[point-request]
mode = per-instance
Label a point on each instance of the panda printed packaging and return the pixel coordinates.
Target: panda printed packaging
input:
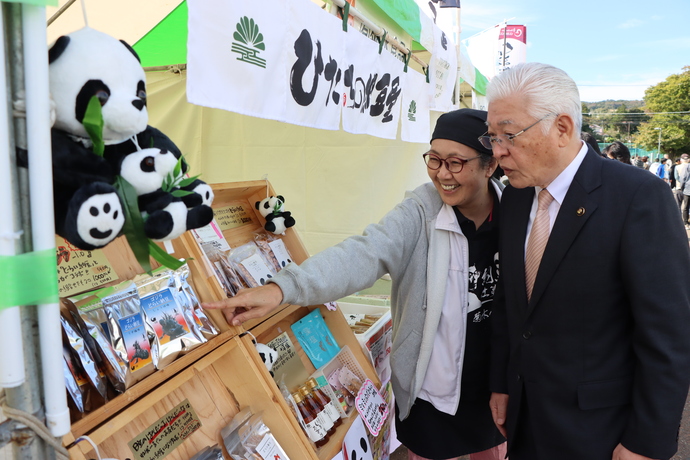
(274, 250)
(128, 332)
(168, 313)
(251, 264)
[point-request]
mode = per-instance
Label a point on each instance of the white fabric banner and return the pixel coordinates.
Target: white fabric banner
(372, 87)
(513, 46)
(315, 58)
(479, 101)
(291, 62)
(415, 121)
(236, 57)
(481, 48)
(443, 70)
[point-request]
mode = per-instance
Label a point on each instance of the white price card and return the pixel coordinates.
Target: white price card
(211, 234)
(281, 252)
(257, 268)
(270, 449)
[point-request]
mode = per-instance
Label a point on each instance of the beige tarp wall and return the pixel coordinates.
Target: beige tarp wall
(334, 183)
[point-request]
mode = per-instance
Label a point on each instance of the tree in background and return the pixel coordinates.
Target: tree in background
(671, 95)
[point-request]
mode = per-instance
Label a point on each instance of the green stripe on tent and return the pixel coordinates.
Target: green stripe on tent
(480, 82)
(405, 13)
(165, 44)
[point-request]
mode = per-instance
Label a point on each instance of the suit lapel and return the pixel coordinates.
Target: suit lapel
(578, 206)
(517, 213)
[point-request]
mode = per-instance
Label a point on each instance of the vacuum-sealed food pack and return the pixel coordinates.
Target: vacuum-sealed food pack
(226, 275)
(90, 317)
(169, 314)
(72, 378)
(252, 265)
(274, 249)
(78, 345)
(204, 326)
(128, 332)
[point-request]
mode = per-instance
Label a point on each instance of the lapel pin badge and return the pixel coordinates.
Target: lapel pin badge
(580, 212)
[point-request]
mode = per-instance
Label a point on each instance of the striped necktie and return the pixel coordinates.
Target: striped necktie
(537, 240)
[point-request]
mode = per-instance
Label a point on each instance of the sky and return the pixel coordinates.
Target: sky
(613, 49)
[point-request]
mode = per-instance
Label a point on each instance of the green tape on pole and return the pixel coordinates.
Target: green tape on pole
(34, 2)
(28, 279)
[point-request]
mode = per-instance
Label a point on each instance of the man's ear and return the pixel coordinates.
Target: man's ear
(565, 127)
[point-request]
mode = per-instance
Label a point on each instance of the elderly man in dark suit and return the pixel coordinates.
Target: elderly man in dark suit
(590, 361)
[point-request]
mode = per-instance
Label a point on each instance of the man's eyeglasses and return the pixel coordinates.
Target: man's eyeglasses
(489, 141)
(453, 164)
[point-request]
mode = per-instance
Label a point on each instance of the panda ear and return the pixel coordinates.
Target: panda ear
(131, 50)
(58, 48)
(280, 197)
(257, 204)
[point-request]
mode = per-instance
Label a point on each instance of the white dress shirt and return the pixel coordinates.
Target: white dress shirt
(558, 188)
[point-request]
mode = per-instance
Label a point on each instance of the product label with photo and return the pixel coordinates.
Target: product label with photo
(165, 315)
(136, 342)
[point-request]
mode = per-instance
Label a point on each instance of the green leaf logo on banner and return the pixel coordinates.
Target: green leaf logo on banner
(412, 111)
(250, 42)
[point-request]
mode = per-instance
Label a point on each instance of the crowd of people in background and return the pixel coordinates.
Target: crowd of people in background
(674, 172)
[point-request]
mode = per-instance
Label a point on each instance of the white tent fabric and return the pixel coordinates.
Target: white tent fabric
(334, 183)
(127, 20)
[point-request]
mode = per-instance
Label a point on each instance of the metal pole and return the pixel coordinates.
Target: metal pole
(27, 397)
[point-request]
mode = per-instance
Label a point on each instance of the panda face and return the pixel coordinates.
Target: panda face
(100, 219)
(91, 63)
(146, 169)
(267, 205)
(206, 193)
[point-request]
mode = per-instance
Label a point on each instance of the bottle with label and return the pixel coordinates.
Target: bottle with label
(315, 431)
(318, 408)
(326, 402)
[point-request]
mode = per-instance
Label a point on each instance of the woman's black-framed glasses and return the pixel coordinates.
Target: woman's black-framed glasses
(453, 164)
(489, 141)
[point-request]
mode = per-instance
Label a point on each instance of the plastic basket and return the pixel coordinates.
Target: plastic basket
(343, 358)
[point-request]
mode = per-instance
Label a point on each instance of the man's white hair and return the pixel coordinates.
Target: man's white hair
(547, 89)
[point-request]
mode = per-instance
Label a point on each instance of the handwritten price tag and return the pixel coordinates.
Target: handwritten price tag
(372, 407)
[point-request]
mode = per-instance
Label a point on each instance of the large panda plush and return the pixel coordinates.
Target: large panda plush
(88, 210)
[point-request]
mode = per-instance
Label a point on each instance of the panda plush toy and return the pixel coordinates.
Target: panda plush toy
(277, 220)
(89, 211)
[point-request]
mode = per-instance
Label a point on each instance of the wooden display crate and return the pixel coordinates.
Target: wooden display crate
(125, 265)
(223, 376)
(217, 386)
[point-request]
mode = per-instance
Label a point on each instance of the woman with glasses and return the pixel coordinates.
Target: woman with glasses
(440, 247)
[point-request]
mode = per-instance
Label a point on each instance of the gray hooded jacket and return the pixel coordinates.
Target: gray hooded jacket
(406, 244)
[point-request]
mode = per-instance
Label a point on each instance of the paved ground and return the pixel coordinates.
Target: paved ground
(683, 440)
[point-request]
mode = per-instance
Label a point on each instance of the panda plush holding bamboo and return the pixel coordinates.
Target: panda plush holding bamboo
(93, 73)
(277, 219)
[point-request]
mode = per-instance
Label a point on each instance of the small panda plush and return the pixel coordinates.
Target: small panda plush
(268, 355)
(277, 220)
(165, 215)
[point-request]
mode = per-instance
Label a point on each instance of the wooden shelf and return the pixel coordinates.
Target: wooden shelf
(224, 375)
